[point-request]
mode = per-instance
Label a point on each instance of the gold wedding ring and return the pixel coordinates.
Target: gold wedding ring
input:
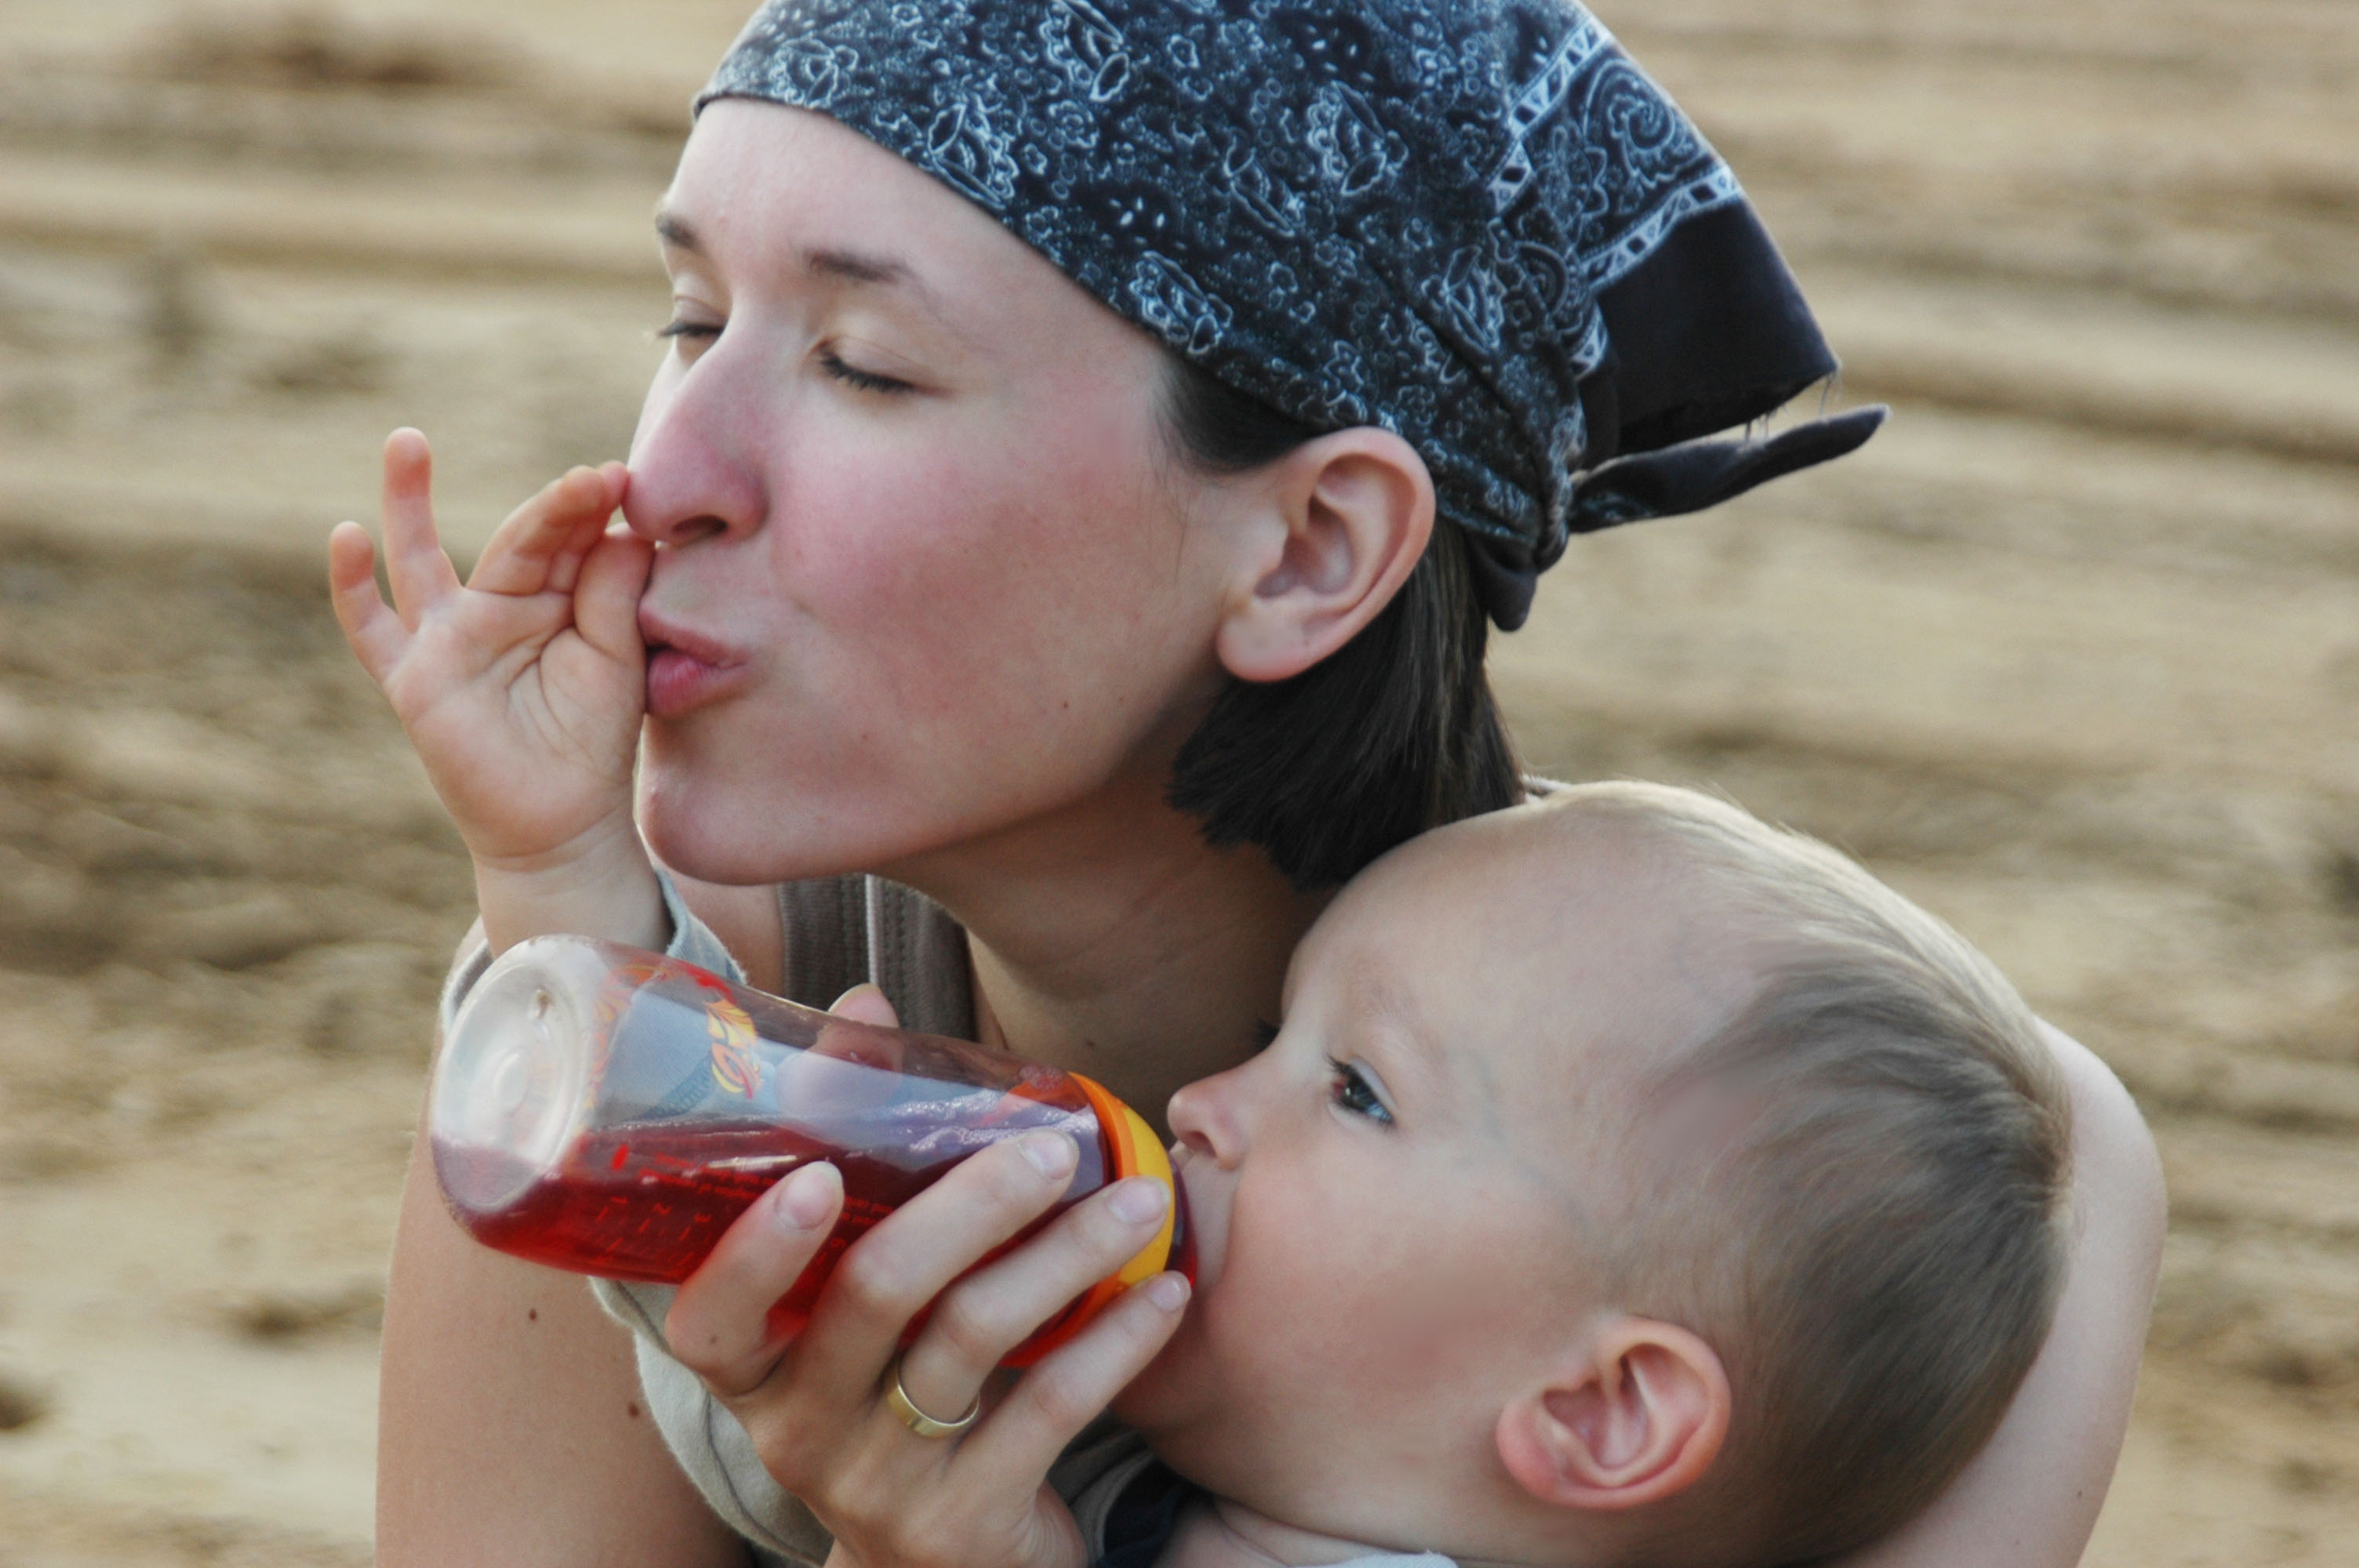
(917, 1420)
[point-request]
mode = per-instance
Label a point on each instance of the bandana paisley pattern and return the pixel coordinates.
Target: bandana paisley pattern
(1408, 213)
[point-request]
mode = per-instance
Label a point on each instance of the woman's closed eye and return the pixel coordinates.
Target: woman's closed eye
(685, 331)
(1352, 1092)
(864, 380)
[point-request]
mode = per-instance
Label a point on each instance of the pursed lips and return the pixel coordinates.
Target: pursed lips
(685, 668)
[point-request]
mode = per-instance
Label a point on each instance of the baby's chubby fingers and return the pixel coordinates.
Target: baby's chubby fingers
(415, 563)
(541, 546)
(719, 1323)
(376, 633)
(613, 575)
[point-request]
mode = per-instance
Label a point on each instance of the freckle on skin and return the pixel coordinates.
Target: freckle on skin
(532, 1314)
(634, 1407)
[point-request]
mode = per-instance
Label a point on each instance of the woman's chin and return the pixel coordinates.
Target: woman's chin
(723, 833)
(693, 841)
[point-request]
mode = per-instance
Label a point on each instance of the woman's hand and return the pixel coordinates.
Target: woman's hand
(816, 1407)
(522, 690)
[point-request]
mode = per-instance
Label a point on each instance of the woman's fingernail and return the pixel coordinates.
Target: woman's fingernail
(1169, 1292)
(808, 1198)
(1051, 1154)
(1139, 1199)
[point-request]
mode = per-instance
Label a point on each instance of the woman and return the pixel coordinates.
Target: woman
(1037, 511)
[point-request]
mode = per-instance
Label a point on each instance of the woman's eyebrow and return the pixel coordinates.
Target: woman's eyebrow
(674, 231)
(856, 266)
(864, 267)
(870, 269)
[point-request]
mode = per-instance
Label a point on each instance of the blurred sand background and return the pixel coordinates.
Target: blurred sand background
(2070, 654)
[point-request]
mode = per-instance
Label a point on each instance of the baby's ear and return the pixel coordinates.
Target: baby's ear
(1636, 1412)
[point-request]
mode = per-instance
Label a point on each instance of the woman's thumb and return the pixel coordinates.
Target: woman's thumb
(866, 1003)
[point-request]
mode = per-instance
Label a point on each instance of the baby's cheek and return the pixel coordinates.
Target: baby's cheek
(1304, 1307)
(1179, 1385)
(1385, 1300)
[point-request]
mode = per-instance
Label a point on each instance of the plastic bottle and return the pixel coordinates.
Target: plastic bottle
(610, 1110)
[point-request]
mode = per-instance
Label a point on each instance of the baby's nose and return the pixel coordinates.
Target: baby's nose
(1203, 1118)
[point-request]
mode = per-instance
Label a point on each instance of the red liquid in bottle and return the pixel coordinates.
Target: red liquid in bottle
(648, 1202)
(613, 1111)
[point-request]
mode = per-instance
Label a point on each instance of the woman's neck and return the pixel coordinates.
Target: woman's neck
(1111, 940)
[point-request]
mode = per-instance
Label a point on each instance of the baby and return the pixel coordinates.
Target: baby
(1629, 1182)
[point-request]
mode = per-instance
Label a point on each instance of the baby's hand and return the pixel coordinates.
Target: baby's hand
(522, 690)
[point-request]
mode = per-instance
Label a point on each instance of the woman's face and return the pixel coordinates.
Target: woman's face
(925, 572)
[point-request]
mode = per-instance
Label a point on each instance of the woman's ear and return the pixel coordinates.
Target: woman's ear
(1348, 515)
(1636, 1413)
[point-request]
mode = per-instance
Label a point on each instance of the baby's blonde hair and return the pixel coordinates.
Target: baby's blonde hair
(1854, 1189)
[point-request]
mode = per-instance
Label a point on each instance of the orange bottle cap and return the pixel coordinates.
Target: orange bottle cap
(1133, 1150)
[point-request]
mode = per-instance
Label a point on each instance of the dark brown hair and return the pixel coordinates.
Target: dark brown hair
(1394, 733)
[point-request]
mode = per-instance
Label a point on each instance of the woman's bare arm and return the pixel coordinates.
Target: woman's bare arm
(2030, 1499)
(510, 1425)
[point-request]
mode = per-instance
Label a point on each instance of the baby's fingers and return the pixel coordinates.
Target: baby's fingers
(375, 631)
(414, 562)
(606, 596)
(540, 547)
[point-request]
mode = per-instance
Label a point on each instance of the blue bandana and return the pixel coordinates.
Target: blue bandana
(1476, 223)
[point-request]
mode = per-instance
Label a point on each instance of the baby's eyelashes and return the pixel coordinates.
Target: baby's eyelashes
(1354, 1089)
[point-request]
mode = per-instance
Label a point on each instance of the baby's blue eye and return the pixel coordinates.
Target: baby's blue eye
(1350, 1088)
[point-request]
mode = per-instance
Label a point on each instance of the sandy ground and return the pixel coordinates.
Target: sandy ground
(2072, 653)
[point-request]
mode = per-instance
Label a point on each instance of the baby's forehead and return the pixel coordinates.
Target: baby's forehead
(1531, 939)
(1544, 888)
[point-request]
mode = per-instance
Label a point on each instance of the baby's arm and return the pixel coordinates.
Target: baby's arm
(2030, 1499)
(522, 690)
(511, 1427)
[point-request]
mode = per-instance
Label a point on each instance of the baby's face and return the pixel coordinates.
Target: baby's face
(1388, 1200)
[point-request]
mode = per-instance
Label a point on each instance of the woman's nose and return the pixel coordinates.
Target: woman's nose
(696, 461)
(1206, 1117)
